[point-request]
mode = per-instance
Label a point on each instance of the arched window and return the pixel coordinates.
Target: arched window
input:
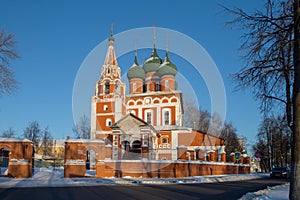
(108, 122)
(164, 140)
(105, 107)
(107, 87)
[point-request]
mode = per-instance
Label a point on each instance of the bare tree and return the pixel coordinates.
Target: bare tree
(8, 83)
(195, 117)
(276, 136)
(9, 133)
(82, 128)
(204, 121)
(191, 114)
(229, 134)
(295, 180)
(267, 47)
(46, 142)
(33, 132)
(272, 52)
(260, 148)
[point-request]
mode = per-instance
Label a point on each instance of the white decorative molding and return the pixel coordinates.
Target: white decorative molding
(15, 161)
(75, 162)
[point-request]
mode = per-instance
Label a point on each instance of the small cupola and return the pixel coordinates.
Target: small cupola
(135, 71)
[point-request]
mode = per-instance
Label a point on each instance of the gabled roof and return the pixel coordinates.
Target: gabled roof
(131, 124)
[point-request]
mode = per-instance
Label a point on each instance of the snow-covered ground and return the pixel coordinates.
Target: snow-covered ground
(279, 192)
(49, 177)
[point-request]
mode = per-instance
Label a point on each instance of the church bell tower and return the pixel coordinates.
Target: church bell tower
(108, 101)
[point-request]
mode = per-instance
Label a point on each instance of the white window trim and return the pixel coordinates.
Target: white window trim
(163, 116)
(145, 115)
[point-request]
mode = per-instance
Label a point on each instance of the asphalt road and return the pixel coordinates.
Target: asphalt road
(225, 190)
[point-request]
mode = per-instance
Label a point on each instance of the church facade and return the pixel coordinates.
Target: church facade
(147, 122)
(141, 134)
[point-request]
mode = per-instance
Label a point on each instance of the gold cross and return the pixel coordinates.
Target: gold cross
(167, 41)
(135, 40)
(154, 34)
(111, 28)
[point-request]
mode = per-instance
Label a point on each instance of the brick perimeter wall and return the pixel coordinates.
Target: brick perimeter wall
(165, 169)
(20, 170)
(71, 171)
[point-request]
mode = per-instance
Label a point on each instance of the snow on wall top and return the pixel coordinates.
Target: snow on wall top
(14, 140)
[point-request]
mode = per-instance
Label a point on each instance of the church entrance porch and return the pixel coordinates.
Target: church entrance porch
(131, 151)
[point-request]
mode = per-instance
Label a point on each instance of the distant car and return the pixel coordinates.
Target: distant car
(280, 172)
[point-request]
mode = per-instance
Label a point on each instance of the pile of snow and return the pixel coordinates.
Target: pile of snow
(202, 179)
(3, 170)
(279, 192)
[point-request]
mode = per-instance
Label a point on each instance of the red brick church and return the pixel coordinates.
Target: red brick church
(141, 134)
(146, 123)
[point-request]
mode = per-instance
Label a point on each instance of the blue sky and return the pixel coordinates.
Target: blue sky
(54, 37)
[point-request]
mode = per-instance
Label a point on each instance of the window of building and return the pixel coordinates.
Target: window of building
(148, 87)
(167, 84)
(105, 107)
(166, 117)
(108, 122)
(157, 87)
(164, 140)
(134, 87)
(107, 87)
(148, 116)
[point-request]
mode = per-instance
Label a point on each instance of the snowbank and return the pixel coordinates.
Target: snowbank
(279, 192)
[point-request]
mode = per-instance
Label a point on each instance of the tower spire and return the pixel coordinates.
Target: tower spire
(111, 58)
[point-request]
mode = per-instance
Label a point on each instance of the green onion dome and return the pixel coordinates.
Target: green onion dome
(167, 67)
(152, 63)
(135, 71)
(111, 38)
